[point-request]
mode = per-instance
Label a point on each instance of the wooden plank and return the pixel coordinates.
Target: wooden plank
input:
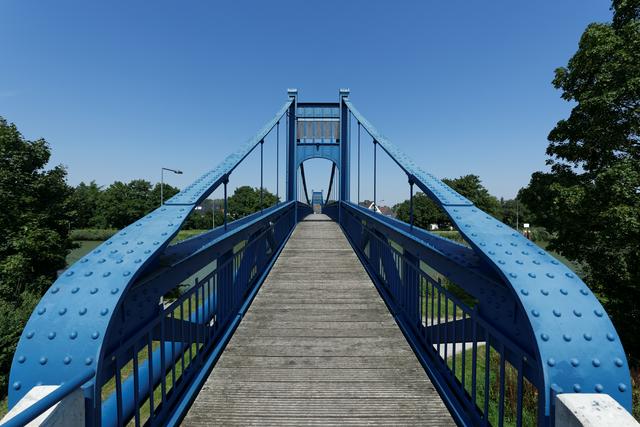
(318, 347)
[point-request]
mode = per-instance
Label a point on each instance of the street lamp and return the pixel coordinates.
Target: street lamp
(177, 172)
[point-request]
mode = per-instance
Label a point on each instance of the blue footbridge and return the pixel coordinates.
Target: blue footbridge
(345, 317)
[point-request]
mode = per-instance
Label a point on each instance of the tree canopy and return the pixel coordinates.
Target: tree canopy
(590, 199)
(427, 212)
(35, 219)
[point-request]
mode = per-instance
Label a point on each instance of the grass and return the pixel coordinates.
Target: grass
(87, 243)
(530, 394)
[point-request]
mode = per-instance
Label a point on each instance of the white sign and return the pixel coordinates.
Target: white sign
(525, 225)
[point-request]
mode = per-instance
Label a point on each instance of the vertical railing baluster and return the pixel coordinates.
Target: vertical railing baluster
(519, 392)
(474, 354)
(487, 375)
(359, 162)
(136, 385)
(454, 340)
(278, 161)
(150, 374)
(464, 349)
(119, 421)
(502, 380)
(163, 384)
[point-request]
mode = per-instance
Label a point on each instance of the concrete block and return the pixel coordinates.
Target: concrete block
(69, 412)
(597, 409)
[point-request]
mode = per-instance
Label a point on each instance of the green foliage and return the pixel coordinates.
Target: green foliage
(427, 212)
(93, 234)
(35, 219)
(470, 186)
(246, 200)
(590, 200)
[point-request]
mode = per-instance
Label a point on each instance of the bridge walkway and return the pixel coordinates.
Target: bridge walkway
(318, 346)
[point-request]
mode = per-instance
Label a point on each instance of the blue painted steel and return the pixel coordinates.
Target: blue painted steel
(79, 320)
(41, 406)
(345, 160)
(574, 342)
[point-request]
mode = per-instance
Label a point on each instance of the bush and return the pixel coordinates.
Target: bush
(97, 234)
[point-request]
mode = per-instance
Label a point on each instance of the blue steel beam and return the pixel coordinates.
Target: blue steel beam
(576, 344)
(71, 325)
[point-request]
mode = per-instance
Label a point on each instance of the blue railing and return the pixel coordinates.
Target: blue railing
(542, 326)
(150, 317)
(484, 376)
(47, 402)
(169, 351)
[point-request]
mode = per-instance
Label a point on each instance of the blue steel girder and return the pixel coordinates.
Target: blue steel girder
(576, 344)
(72, 326)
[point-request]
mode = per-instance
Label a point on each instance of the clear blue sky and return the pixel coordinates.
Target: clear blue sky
(120, 89)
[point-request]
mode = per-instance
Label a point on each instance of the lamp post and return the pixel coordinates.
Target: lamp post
(177, 172)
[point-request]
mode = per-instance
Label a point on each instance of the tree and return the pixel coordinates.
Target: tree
(35, 219)
(590, 199)
(425, 211)
(514, 212)
(84, 200)
(470, 186)
(121, 204)
(246, 200)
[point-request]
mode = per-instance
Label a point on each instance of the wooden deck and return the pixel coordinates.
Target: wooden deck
(318, 347)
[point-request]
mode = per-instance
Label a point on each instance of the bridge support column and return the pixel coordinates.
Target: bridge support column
(292, 173)
(344, 147)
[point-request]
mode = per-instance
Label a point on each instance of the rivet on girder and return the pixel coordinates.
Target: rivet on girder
(544, 292)
(577, 388)
(575, 362)
(618, 362)
(106, 274)
(93, 291)
(55, 290)
(73, 335)
(577, 313)
(551, 276)
(88, 361)
(126, 273)
(610, 336)
(104, 311)
(599, 388)
(544, 337)
(587, 336)
(66, 360)
(598, 312)
(43, 360)
(622, 387)
(75, 290)
(595, 362)
(551, 362)
(535, 313)
(69, 273)
(30, 335)
(82, 311)
(51, 335)
(532, 275)
(41, 310)
(566, 337)
(17, 385)
(88, 273)
(584, 292)
(95, 335)
(563, 291)
(557, 312)
(114, 291)
(101, 261)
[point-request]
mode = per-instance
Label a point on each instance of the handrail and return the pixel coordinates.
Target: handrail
(41, 406)
(559, 317)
